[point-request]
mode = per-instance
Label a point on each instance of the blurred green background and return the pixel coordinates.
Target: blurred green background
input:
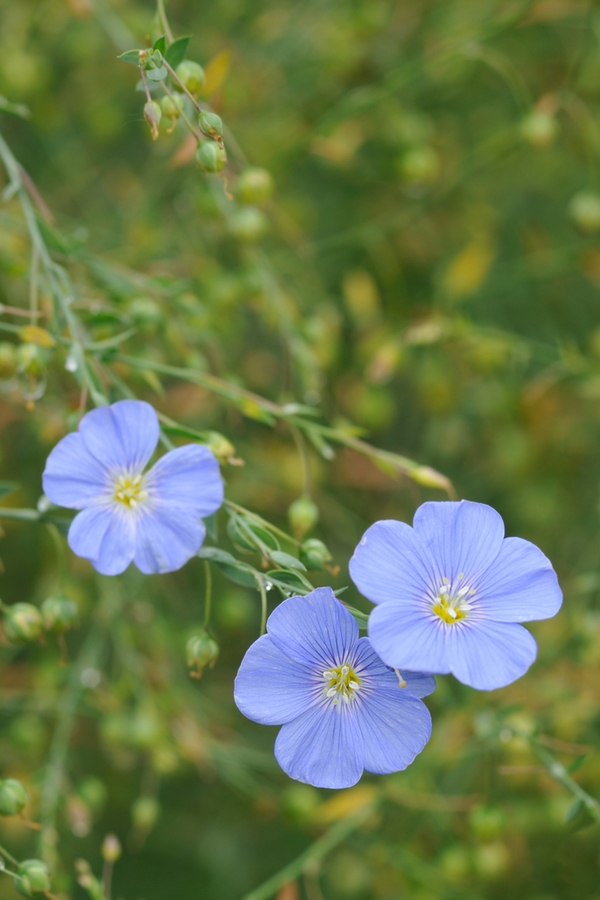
(428, 270)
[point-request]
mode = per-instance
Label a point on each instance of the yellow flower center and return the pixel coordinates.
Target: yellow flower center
(130, 490)
(451, 601)
(341, 682)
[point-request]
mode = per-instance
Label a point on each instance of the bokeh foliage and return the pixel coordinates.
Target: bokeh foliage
(430, 273)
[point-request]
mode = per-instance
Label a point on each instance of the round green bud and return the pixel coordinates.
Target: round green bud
(248, 224)
(201, 651)
(31, 359)
(59, 613)
(32, 878)
(8, 360)
(420, 165)
(210, 124)
(153, 115)
(111, 848)
(172, 106)
(254, 187)
(584, 210)
(191, 74)
(13, 797)
(314, 554)
(539, 128)
(22, 622)
(210, 156)
(303, 515)
(144, 813)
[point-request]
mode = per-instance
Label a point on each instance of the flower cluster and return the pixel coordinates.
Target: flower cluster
(449, 594)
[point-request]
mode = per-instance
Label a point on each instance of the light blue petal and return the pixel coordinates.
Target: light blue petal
(463, 537)
(420, 684)
(73, 477)
(188, 477)
(490, 655)
(105, 536)
(521, 586)
(405, 639)
(123, 436)
(316, 630)
(166, 538)
(395, 726)
(270, 688)
(322, 747)
(392, 563)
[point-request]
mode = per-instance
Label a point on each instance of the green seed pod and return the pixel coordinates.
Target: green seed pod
(31, 359)
(314, 554)
(210, 124)
(59, 613)
(210, 156)
(303, 515)
(172, 106)
(22, 623)
(153, 115)
(191, 74)
(13, 797)
(584, 210)
(248, 224)
(32, 878)
(201, 651)
(539, 128)
(254, 187)
(8, 361)
(144, 813)
(220, 446)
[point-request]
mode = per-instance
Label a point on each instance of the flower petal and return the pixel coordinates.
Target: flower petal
(409, 639)
(463, 537)
(490, 655)
(104, 536)
(166, 537)
(322, 747)
(395, 726)
(73, 477)
(392, 563)
(521, 586)
(316, 630)
(420, 684)
(123, 436)
(188, 477)
(270, 688)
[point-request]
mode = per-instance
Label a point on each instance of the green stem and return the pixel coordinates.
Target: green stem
(558, 772)
(60, 553)
(207, 593)
(251, 515)
(162, 15)
(8, 856)
(260, 583)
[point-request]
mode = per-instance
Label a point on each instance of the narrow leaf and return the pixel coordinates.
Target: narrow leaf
(175, 53)
(131, 56)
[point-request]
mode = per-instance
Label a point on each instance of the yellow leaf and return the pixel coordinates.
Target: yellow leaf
(216, 72)
(346, 803)
(33, 334)
(468, 270)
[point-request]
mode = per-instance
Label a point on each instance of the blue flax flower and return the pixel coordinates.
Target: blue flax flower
(151, 518)
(341, 709)
(450, 591)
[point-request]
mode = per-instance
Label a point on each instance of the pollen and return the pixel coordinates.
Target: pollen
(130, 490)
(341, 683)
(451, 600)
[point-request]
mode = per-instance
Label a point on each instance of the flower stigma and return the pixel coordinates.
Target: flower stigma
(130, 490)
(341, 682)
(451, 601)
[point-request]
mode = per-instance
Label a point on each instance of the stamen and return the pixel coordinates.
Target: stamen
(342, 682)
(130, 491)
(449, 600)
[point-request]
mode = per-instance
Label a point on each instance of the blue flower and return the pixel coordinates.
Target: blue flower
(341, 709)
(151, 518)
(450, 592)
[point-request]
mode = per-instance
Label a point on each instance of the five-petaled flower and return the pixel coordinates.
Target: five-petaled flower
(152, 518)
(341, 708)
(450, 591)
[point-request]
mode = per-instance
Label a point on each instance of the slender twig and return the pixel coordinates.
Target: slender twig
(164, 21)
(207, 592)
(260, 583)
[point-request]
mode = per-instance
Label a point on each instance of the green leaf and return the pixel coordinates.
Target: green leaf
(286, 559)
(291, 580)
(131, 56)
(573, 811)
(160, 44)
(175, 53)
(215, 554)
(7, 487)
(263, 535)
(362, 619)
(156, 74)
(574, 765)
(238, 537)
(17, 109)
(239, 574)
(211, 526)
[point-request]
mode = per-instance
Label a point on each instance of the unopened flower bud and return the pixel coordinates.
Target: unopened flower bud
(13, 797)
(153, 115)
(303, 515)
(584, 210)
(144, 813)
(210, 124)
(254, 187)
(210, 156)
(8, 360)
(172, 106)
(111, 848)
(220, 446)
(248, 224)
(314, 554)
(59, 613)
(22, 622)
(32, 878)
(539, 128)
(191, 74)
(201, 651)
